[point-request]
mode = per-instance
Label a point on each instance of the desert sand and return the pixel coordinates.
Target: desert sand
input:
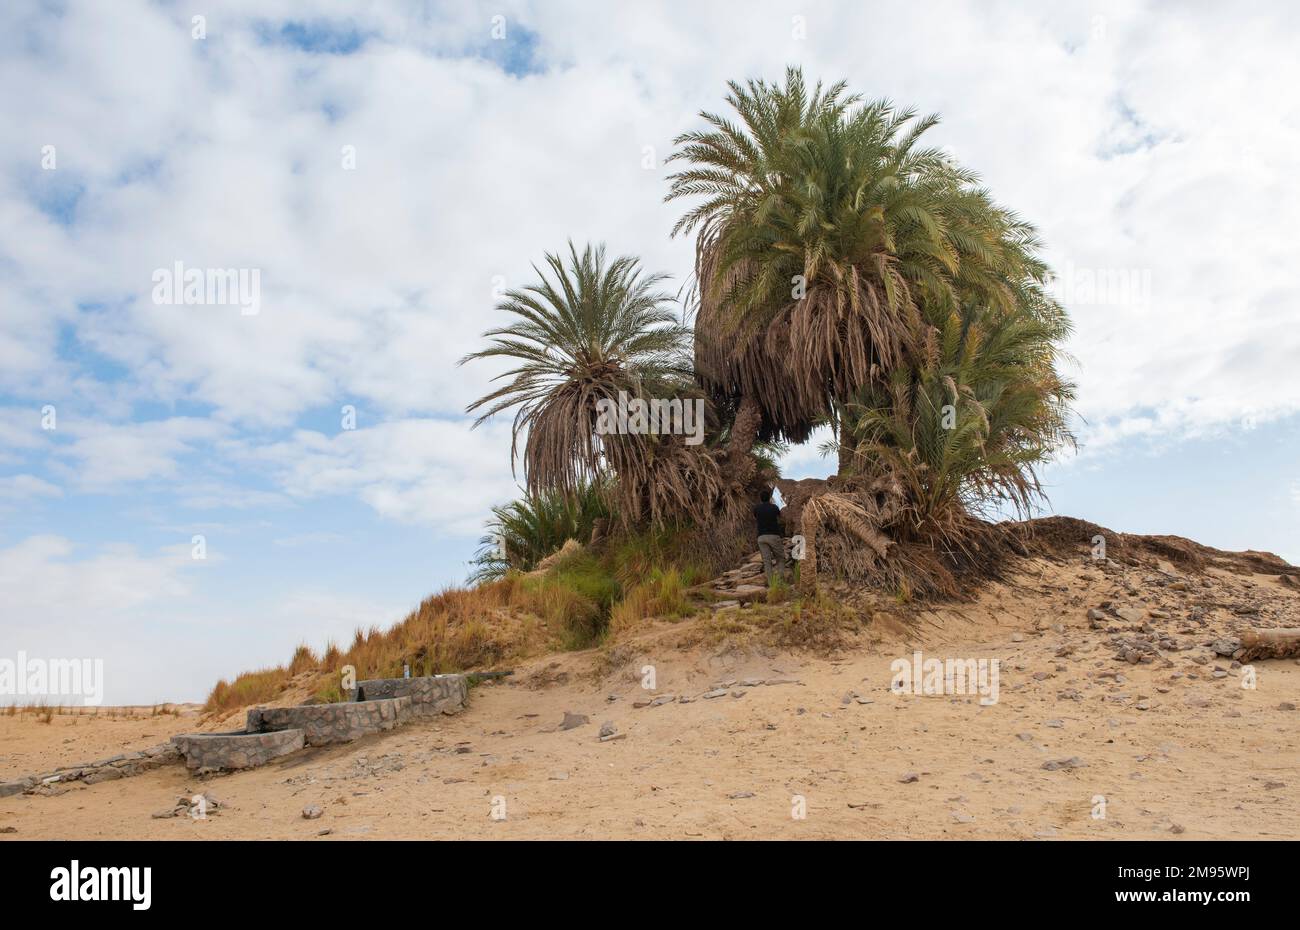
(1170, 748)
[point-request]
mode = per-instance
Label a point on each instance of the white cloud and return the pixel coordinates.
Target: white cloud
(102, 455)
(435, 472)
(45, 580)
(26, 487)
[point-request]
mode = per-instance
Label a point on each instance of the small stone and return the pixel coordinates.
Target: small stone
(1074, 762)
(1286, 705)
(715, 693)
(572, 720)
(741, 795)
(909, 778)
(607, 728)
(1017, 637)
(312, 812)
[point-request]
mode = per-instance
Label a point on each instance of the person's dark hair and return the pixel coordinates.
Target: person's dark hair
(766, 495)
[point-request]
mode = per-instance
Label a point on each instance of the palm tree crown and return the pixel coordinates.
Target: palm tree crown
(587, 331)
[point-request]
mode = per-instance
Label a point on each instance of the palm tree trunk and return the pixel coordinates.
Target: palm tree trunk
(744, 433)
(845, 444)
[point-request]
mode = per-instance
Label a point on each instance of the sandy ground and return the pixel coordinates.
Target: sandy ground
(1206, 759)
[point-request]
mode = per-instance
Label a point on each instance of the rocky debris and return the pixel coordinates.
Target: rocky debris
(312, 812)
(572, 720)
(740, 795)
(663, 699)
(715, 693)
(608, 729)
(1131, 614)
(193, 806)
(909, 778)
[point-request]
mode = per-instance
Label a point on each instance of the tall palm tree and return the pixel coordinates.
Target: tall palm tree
(825, 227)
(583, 334)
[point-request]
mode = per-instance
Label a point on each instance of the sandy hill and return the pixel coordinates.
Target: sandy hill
(1120, 713)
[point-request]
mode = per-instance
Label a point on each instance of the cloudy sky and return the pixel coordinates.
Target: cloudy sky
(384, 168)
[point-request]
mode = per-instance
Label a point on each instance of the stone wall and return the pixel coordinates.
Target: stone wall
(227, 751)
(120, 766)
(323, 724)
(430, 694)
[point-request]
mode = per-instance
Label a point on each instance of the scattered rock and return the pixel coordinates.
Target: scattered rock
(312, 812)
(1226, 646)
(1074, 762)
(909, 778)
(572, 720)
(607, 728)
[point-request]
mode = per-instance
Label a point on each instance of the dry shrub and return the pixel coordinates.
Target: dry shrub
(249, 688)
(303, 660)
(663, 594)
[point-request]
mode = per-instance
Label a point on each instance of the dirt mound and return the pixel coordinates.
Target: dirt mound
(1069, 537)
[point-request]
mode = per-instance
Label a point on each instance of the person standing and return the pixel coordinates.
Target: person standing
(771, 545)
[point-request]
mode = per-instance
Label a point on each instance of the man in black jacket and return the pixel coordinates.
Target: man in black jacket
(771, 545)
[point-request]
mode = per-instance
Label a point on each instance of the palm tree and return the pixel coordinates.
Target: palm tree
(589, 331)
(966, 423)
(825, 229)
